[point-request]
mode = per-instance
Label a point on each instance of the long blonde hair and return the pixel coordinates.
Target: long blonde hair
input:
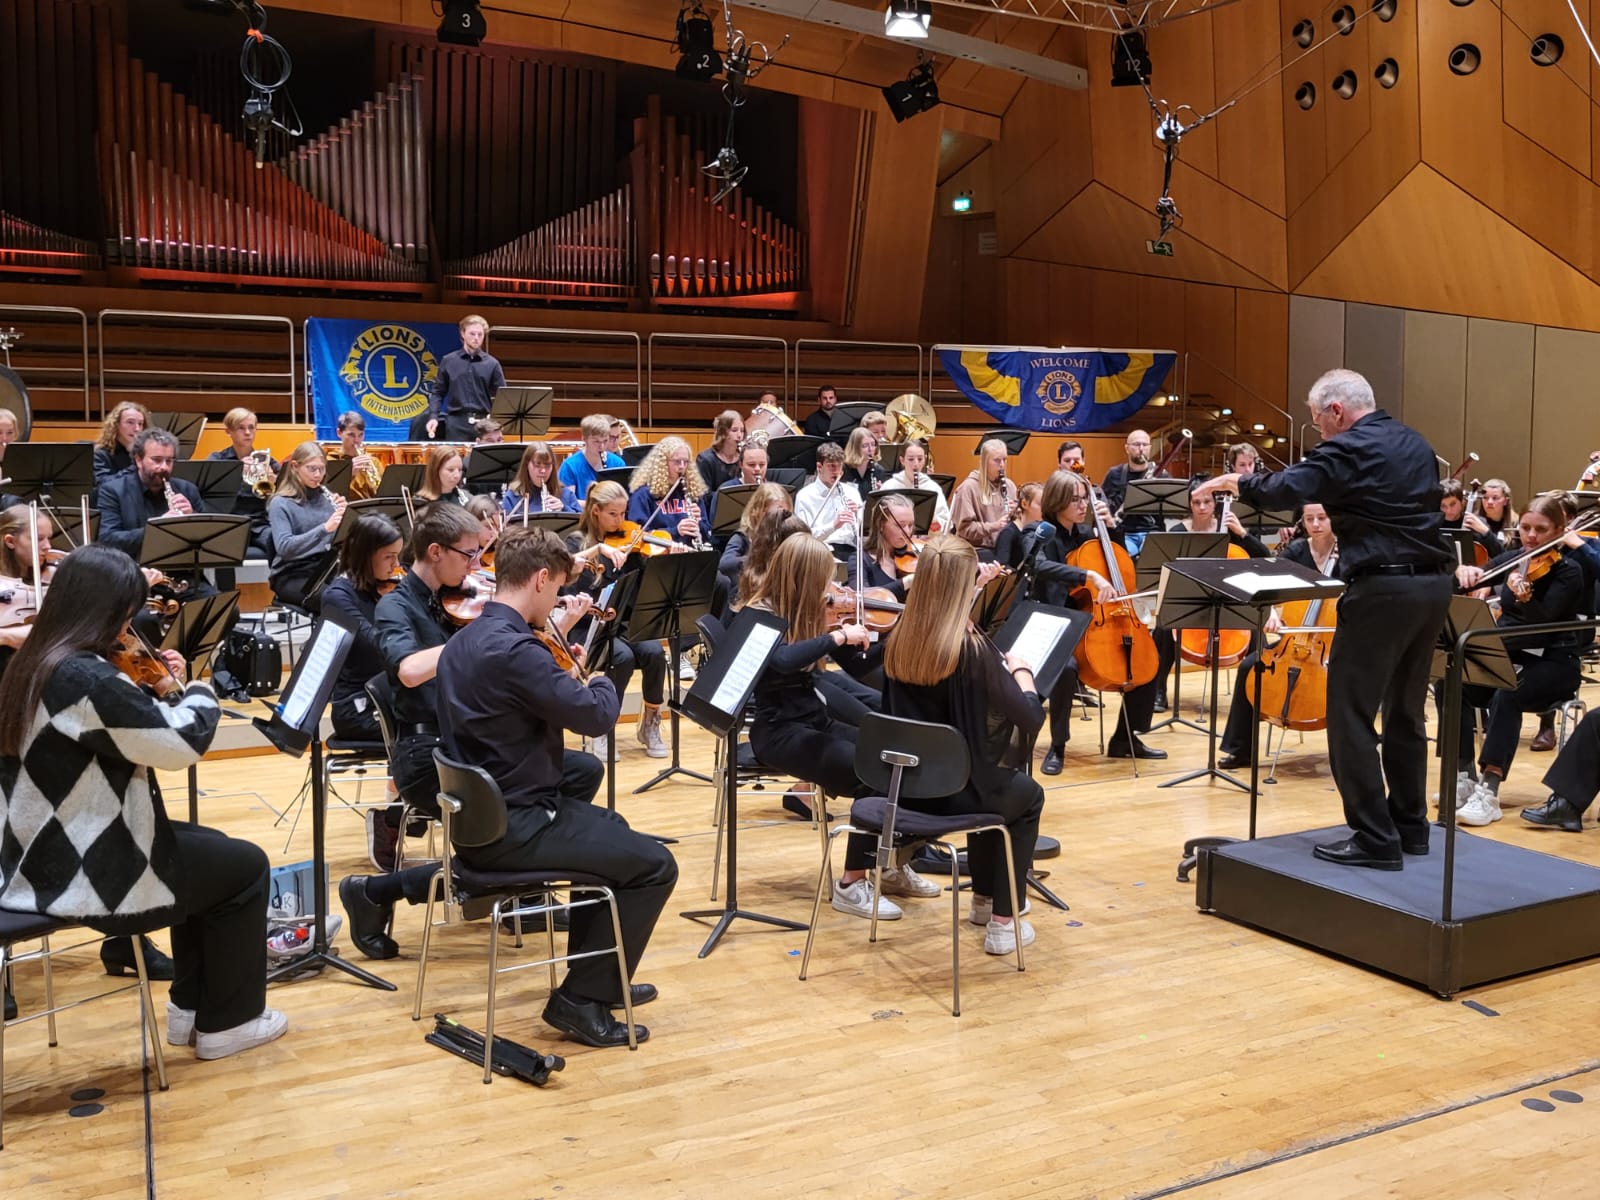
(986, 488)
(601, 493)
(855, 450)
(925, 645)
(889, 510)
(1510, 517)
(107, 440)
(762, 501)
(437, 457)
(795, 585)
(652, 472)
(288, 482)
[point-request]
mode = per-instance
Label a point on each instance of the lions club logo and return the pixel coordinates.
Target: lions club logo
(1059, 391)
(387, 370)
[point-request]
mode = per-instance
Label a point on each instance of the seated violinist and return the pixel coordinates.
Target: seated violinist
(764, 499)
(1545, 588)
(889, 552)
(368, 562)
(1453, 506)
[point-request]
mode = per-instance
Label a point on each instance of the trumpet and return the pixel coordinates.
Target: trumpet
(365, 481)
(259, 476)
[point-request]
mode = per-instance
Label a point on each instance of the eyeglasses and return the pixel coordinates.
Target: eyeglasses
(469, 555)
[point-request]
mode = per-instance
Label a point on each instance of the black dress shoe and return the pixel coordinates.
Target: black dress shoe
(369, 920)
(588, 1021)
(1121, 749)
(1234, 762)
(1052, 762)
(1418, 849)
(1555, 813)
(1086, 699)
(116, 955)
(1161, 703)
(1349, 853)
(639, 993)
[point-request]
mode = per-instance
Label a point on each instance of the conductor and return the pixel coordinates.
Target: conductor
(1378, 482)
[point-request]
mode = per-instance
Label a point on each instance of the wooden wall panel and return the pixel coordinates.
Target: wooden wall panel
(1305, 131)
(1375, 345)
(1316, 343)
(1436, 380)
(830, 136)
(1261, 347)
(1348, 121)
(1210, 324)
(892, 263)
(1043, 158)
(1025, 304)
(1185, 73)
(1565, 418)
(1549, 105)
(1499, 412)
(1250, 141)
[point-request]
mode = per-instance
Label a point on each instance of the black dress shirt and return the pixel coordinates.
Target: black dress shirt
(411, 619)
(126, 507)
(366, 656)
(818, 424)
(1557, 596)
(503, 704)
(713, 470)
(245, 501)
(466, 383)
(1379, 481)
(1053, 578)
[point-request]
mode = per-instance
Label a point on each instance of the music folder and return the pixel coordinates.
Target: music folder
(297, 717)
(1045, 636)
(723, 686)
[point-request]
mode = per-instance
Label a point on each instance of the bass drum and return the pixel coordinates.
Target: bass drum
(14, 396)
(770, 420)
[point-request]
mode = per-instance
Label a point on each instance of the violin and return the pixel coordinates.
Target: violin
(552, 641)
(630, 538)
(1229, 645)
(19, 603)
(464, 604)
(879, 610)
(140, 662)
(166, 594)
(385, 586)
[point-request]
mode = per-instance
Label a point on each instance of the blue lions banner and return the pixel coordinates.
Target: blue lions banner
(383, 369)
(1058, 391)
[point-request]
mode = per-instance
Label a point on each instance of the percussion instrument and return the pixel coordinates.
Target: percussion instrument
(770, 420)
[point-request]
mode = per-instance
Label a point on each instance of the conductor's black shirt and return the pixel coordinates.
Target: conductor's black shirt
(1379, 481)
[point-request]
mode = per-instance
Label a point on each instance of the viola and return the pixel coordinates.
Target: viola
(464, 604)
(166, 594)
(552, 641)
(1228, 645)
(630, 538)
(140, 662)
(1117, 653)
(19, 603)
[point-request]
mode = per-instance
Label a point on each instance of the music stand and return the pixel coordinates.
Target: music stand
(492, 467)
(195, 633)
(622, 476)
(1013, 439)
(58, 473)
(185, 426)
(337, 477)
(632, 456)
(889, 455)
(716, 702)
(923, 505)
(1487, 662)
(993, 603)
(523, 412)
(398, 476)
(191, 544)
(675, 591)
(217, 480)
(296, 723)
(1158, 550)
(793, 451)
(1259, 520)
(393, 507)
(559, 523)
(1585, 499)
(728, 510)
(844, 418)
(1162, 499)
(69, 528)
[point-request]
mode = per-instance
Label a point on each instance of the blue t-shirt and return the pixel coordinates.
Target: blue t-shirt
(577, 474)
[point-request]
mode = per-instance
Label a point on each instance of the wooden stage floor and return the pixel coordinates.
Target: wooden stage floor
(1148, 1049)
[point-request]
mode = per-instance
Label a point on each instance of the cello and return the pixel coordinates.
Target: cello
(1229, 645)
(1117, 653)
(1294, 672)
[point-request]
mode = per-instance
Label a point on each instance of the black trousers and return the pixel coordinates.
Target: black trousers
(1575, 774)
(591, 841)
(847, 698)
(219, 945)
(1239, 732)
(1166, 656)
(649, 659)
(460, 427)
(354, 718)
(1017, 801)
(1381, 655)
(1541, 683)
(822, 751)
(415, 776)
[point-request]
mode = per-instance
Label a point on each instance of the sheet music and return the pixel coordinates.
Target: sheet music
(1039, 638)
(314, 666)
(603, 603)
(745, 667)
(1254, 581)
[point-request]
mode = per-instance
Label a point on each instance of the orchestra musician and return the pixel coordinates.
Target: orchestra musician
(719, 462)
(913, 464)
(861, 467)
(983, 502)
(464, 387)
(259, 477)
(1453, 506)
(10, 430)
(666, 494)
(441, 476)
(130, 499)
(890, 539)
(1573, 779)
(365, 472)
(1378, 481)
(770, 531)
(1114, 488)
(1069, 457)
(828, 505)
(503, 703)
(368, 560)
(578, 471)
(1546, 663)
(489, 432)
(752, 471)
(1318, 549)
(79, 744)
(113, 449)
(1008, 546)
(19, 598)
(597, 562)
(766, 498)
(304, 516)
(938, 668)
(1243, 459)
(820, 423)
(533, 491)
(1066, 504)
(1499, 513)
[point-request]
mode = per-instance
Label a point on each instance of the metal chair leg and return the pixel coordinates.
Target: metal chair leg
(49, 989)
(148, 1009)
(955, 933)
(435, 889)
(5, 968)
(1011, 880)
(488, 1019)
(824, 874)
(622, 967)
(550, 935)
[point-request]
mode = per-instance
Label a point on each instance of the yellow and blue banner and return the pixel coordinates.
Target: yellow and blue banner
(383, 369)
(1058, 391)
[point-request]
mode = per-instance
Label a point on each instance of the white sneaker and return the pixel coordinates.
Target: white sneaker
(856, 899)
(982, 910)
(685, 668)
(268, 1027)
(649, 734)
(903, 881)
(1002, 939)
(180, 1025)
(600, 747)
(1481, 808)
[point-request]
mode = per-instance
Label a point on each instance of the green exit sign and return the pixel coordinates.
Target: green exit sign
(1162, 249)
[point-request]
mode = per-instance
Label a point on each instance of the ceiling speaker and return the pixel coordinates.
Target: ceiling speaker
(1344, 84)
(1344, 20)
(1464, 59)
(1388, 73)
(1304, 33)
(1306, 95)
(1384, 10)
(1547, 49)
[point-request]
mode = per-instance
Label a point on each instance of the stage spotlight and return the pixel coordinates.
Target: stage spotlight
(1547, 49)
(1130, 60)
(908, 18)
(697, 44)
(1464, 59)
(463, 24)
(916, 93)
